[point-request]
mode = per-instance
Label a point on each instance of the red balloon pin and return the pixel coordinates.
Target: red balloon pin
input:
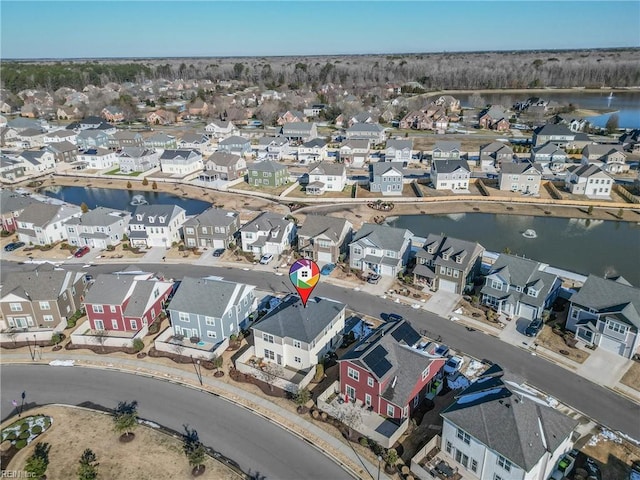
(304, 274)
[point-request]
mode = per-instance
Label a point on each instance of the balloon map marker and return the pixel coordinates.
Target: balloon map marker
(304, 274)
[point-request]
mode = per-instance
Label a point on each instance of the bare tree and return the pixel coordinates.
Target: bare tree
(350, 415)
(270, 373)
(12, 334)
(178, 348)
(100, 337)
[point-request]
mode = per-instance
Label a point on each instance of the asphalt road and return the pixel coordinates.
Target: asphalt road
(261, 448)
(599, 403)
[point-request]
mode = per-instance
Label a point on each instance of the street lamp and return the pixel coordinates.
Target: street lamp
(198, 368)
(379, 460)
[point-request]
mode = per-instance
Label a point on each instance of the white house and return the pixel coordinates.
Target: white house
(315, 150)
(380, 249)
(156, 225)
(220, 129)
(267, 233)
(588, 180)
(181, 163)
(298, 337)
(398, 150)
(98, 158)
(450, 174)
(610, 158)
(98, 228)
(36, 161)
(60, 136)
(326, 177)
(495, 432)
(355, 152)
(43, 223)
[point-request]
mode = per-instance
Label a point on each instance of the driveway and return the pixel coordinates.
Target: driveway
(442, 303)
(513, 333)
(604, 367)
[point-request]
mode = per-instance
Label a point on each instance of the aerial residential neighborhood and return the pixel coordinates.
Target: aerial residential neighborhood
(230, 251)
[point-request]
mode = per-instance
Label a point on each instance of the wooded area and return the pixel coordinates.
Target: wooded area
(482, 70)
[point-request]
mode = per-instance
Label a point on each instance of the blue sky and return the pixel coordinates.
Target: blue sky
(75, 29)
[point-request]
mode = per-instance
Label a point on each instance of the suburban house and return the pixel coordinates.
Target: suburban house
(98, 158)
(386, 177)
(156, 225)
(362, 117)
(387, 372)
(267, 233)
(98, 228)
(550, 156)
(606, 312)
(610, 158)
(450, 174)
(64, 151)
(92, 139)
(494, 432)
(291, 116)
(354, 152)
(398, 150)
(446, 263)
(125, 303)
(373, 132)
(11, 168)
(494, 118)
(42, 299)
(161, 140)
(324, 239)
(495, 154)
(273, 148)
(298, 337)
(267, 174)
(125, 138)
(181, 163)
(523, 177)
(445, 150)
(198, 108)
(417, 120)
(43, 223)
(299, 131)
(326, 177)
(31, 138)
(37, 161)
(519, 287)
(315, 150)
(380, 249)
(138, 159)
(12, 204)
(60, 136)
(194, 141)
(112, 114)
(161, 117)
(213, 228)
(588, 180)
(314, 110)
(220, 129)
(68, 113)
(236, 145)
(223, 166)
(211, 309)
(559, 134)
(450, 103)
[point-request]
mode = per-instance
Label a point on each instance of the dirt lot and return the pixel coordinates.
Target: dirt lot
(150, 455)
(548, 339)
(632, 377)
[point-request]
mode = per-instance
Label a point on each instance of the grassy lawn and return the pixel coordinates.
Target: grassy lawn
(632, 377)
(117, 172)
(300, 193)
(150, 455)
(548, 339)
(253, 188)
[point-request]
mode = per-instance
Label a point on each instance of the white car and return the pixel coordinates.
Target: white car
(266, 258)
(453, 365)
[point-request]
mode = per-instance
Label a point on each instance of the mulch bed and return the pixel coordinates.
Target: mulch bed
(264, 386)
(100, 350)
(155, 353)
(7, 455)
(127, 437)
(12, 345)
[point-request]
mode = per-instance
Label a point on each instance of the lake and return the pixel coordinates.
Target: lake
(582, 246)
(121, 199)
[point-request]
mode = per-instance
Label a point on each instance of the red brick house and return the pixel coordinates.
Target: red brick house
(386, 372)
(112, 114)
(125, 302)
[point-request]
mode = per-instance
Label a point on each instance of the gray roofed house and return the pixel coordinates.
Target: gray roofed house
(380, 249)
(521, 177)
(126, 138)
(64, 151)
(98, 228)
(156, 225)
(326, 177)
(446, 150)
(160, 140)
(11, 206)
(606, 312)
(610, 158)
(450, 174)
(236, 145)
(197, 141)
(38, 160)
(296, 336)
(223, 166)
(92, 139)
(138, 159)
(494, 154)
(43, 223)
(550, 155)
(370, 131)
(181, 162)
(398, 150)
(324, 239)
(273, 148)
(267, 174)
(519, 287)
(588, 180)
(211, 309)
(447, 263)
(213, 228)
(386, 177)
(300, 131)
(504, 431)
(559, 134)
(267, 233)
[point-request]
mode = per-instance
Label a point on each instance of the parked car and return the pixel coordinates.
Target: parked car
(394, 317)
(218, 252)
(81, 252)
(327, 269)
(373, 278)
(534, 328)
(266, 258)
(442, 350)
(10, 247)
(453, 365)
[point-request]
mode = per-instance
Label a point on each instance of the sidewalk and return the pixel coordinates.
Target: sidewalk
(297, 425)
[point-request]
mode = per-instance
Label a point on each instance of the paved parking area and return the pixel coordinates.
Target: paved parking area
(513, 333)
(604, 367)
(442, 303)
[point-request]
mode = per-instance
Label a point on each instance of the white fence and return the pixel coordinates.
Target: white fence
(163, 344)
(420, 456)
(39, 335)
(243, 366)
(84, 335)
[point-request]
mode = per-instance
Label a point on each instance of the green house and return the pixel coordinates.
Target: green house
(267, 174)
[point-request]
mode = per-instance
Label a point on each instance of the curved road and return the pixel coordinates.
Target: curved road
(261, 448)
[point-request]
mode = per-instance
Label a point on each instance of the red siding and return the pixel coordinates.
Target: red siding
(361, 386)
(106, 316)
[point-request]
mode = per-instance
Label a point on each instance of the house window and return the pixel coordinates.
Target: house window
(354, 374)
(370, 381)
(357, 251)
(267, 338)
(616, 327)
(47, 318)
(464, 436)
(211, 334)
(97, 308)
(497, 477)
(575, 313)
(134, 324)
(504, 463)
(533, 293)
(209, 321)
(425, 374)
(367, 399)
(114, 324)
(496, 284)
(189, 230)
(351, 392)
(15, 307)
(391, 410)
(449, 447)
(269, 354)
(297, 359)
(474, 465)
(297, 344)
(184, 317)
(456, 273)
(44, 306)
(112, 309)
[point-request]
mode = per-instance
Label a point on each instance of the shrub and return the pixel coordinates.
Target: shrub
(364, 441)
(154, 185)
(24, 427)
(391, 457)
(71, 322)
(129, 185)
(319, 372)
(145, 181)
(20, 444)
(138, 345)
(56, 338)
(12, 436)
(24, 435)
(36, 429)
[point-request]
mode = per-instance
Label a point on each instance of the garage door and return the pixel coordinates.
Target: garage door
(324, 257)
(447, 286)
(527, 311)
(217, 243)
(612, 345)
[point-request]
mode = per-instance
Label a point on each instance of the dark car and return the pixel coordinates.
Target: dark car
(10, 247)
(374, 278)
(327, 269)
(394, 317)
(218, 252)
(81, 252)
(534, 328)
